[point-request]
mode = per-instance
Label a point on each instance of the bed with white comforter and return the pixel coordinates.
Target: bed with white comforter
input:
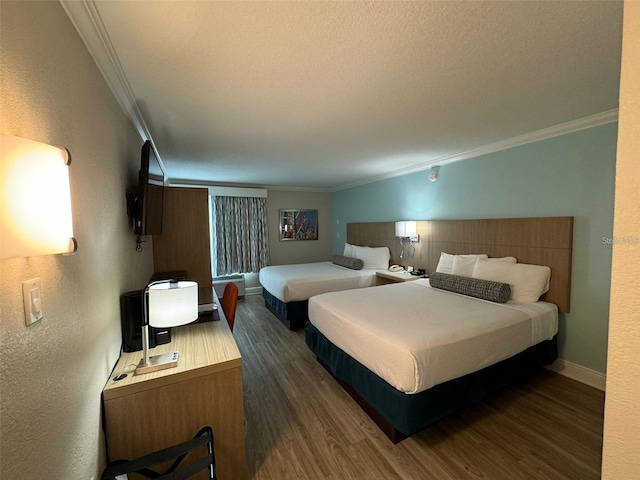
(298, 282)
(412, 353)
(287, 288)
(414, 336)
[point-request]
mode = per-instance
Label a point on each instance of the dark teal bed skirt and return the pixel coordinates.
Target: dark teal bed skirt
(409, 414)
(293, 314)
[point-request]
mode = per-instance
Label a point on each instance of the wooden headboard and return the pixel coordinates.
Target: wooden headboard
(539, 241)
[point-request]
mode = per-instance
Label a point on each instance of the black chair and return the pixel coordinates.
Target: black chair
(142, 465)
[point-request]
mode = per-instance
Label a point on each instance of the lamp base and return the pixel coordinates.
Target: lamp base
(158, 362)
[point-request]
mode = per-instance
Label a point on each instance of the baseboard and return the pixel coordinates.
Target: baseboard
(253, 291)
(579, 373)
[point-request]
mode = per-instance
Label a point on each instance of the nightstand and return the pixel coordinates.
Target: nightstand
(384, 277)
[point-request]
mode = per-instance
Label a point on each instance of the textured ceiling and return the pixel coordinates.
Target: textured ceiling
(322, 95)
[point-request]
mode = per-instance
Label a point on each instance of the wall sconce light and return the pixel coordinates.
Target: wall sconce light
(407, 230)
(433, 173)
(35, 199)
(172, 303)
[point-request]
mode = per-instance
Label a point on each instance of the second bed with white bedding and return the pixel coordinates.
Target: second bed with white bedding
(414, 336)
(292, 283)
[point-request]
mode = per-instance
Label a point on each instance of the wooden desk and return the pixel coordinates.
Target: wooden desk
(145, 413)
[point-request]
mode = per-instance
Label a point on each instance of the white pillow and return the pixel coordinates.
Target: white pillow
(376, 258)
(463, 266)
(445, 265)
(528, 282)
(504, 259)
(348, 250)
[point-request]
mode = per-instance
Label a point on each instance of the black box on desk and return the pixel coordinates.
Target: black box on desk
(131, 323)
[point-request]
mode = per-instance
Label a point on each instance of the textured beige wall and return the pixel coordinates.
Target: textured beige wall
(299, 251)
(621, 453)
(53, 372)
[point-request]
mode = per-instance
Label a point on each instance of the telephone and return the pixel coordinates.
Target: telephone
(396, 268)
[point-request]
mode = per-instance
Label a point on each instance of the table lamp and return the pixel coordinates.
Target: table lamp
(171, 304)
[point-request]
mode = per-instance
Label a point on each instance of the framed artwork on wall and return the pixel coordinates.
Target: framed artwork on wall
(298, 225)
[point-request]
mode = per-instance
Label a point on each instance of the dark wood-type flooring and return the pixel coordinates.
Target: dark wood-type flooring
(302, 425)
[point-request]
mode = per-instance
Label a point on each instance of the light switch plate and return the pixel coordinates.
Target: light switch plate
(32, 300)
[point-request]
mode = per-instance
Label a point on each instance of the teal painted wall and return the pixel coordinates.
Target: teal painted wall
(570, 175)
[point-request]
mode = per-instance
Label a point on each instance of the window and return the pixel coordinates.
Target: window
(240, 235)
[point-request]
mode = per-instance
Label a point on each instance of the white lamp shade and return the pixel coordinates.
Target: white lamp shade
(35, 199)
(173, 304)
(406, 229)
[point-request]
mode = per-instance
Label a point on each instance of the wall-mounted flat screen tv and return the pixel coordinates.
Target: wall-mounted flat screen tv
(150, 197)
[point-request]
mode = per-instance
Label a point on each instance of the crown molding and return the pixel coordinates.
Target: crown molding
(182, 182)
(85, 17)
(87, 21)
(591, 121)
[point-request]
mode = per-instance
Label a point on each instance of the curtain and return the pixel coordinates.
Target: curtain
(241, 242)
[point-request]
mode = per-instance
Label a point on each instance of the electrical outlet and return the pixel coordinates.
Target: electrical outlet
(32, 301)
